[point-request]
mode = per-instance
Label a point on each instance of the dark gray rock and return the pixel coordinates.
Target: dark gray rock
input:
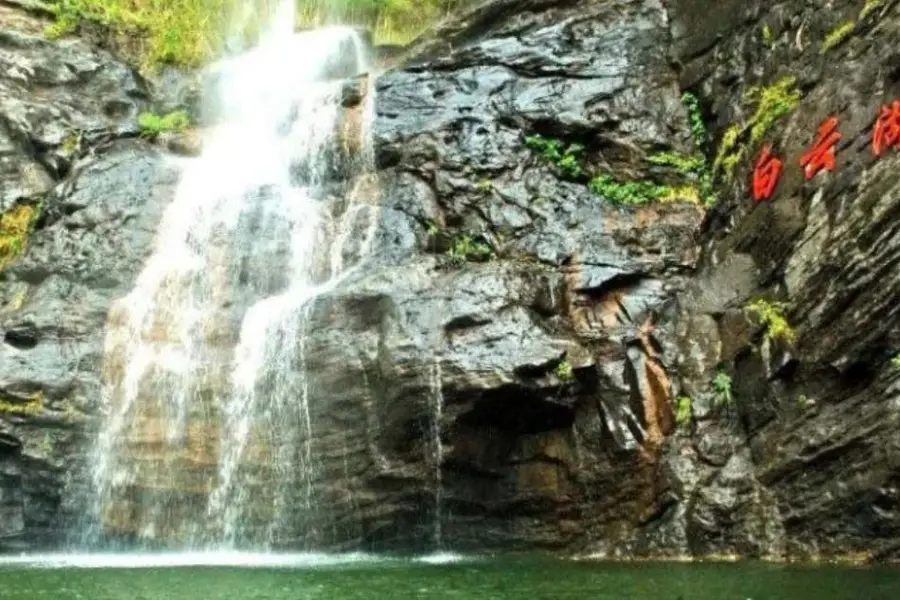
(56, 298)
(820, 414)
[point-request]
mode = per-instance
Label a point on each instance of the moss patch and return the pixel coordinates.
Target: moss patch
(563, 370)
(15, 226)
(683, 411)
(837, 36)
(152, 124)
(637, 193)
(770, 104)
(868, 8)
(771, 315)
(34, 405)
(465, 249)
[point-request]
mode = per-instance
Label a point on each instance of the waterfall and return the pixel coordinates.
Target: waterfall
(208, 440)
(437, 447)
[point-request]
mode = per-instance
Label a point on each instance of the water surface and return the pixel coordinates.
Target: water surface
(359, 576)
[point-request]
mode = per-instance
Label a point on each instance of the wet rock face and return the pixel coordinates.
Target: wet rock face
(62, 106)
(540, 354)
(56, 98)
(820, 415)
(528, 455)
(55, 300)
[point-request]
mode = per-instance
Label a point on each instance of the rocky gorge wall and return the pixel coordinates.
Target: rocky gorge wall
(604, 388)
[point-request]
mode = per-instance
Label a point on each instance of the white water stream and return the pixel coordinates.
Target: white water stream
(207, 441)
(437, 444)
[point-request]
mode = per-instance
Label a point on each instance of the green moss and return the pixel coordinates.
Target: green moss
(33, 406)
(730, 153)
(771, 315)
(484, 186)
(768, 37)
(15, 227)
(721, 384)
(465, 249)
(71, 144)
(895, 362)
(771, 103)
(563, 371)
(683, 411)
(694, 167)
(837, 36)
(152, 124)
(684, 164)
(867, 9)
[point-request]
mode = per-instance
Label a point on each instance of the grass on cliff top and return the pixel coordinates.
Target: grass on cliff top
(191, 32)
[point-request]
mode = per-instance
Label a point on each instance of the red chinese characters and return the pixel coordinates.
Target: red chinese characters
(887, 128)
(821, 155)
(766, 174)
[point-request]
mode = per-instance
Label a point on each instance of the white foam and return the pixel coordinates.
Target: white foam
(443, 558)
(189, 559)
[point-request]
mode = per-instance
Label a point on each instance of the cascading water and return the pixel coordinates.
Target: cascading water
(437, 401)
(208, 438)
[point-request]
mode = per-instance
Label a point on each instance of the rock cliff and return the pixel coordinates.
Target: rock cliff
(568, 264)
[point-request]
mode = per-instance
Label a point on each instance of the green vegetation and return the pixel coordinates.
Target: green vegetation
(682, 163)
(693, 167)
(484, 186)
(564, 371)
(870, 6)
(465, 249)
(722, 385)
(567, 160)
(190, 32)
(636, 193)
(152, 124)
(837, 36)
(695, 117)
(805, 401)
(771, 103)
(178, 31)
(768, 37)
(15, 226)
(895, 362)
(771, 314)
(431, 228)
(33, 406)
(683, 411)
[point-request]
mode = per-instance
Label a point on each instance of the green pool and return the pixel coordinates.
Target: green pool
(351, 577)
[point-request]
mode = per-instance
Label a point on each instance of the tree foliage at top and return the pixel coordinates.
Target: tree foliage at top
(189, 32)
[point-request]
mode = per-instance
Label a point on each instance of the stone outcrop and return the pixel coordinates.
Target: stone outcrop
(554, 329)
(66, 111)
